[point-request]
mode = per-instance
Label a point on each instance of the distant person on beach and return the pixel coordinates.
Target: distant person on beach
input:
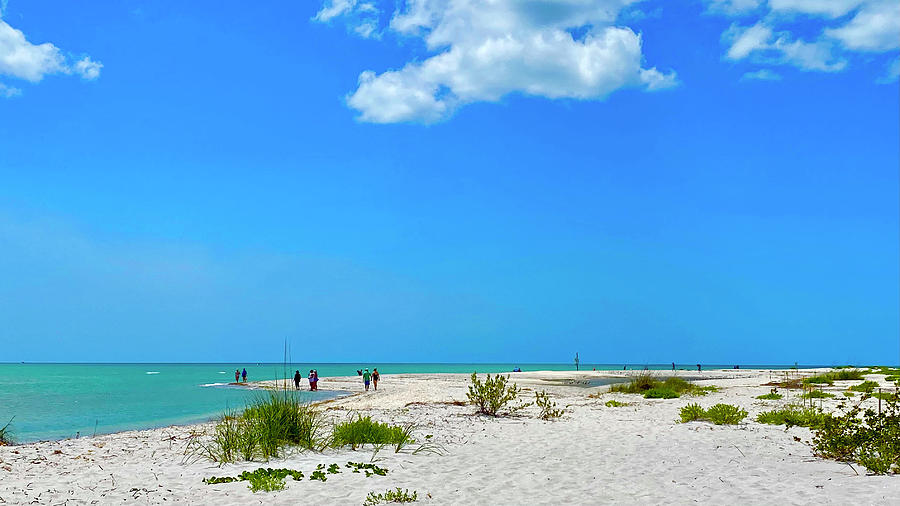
(359, 372)
(673, 366)
(698, 367)
(366, 378)
(244, 375)
(237, 376)
(316, 378)
(375, 378)
(312, 380)
(297, 379)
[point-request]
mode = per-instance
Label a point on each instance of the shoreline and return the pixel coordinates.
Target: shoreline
(635, 454)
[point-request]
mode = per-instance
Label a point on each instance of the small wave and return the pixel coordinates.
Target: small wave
(152, 372)
(221, 372)
(213, 384)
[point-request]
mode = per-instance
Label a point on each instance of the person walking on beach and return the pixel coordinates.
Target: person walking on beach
(316, 378)
(698, 367)
(237, 376)
(366, 378)
(244, 375)
(297, 379)
(375, 378)
(312, 381)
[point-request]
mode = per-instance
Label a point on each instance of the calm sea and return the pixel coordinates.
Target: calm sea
(56, 401)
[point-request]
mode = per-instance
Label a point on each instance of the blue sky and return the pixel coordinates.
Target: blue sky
(452, 181)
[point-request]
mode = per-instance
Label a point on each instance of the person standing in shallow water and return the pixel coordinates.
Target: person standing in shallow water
(366, 377)
(297, 379)
(375, 378)
(237, 376)
(244, 375)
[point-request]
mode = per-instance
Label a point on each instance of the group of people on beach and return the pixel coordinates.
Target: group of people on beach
(238, 374)
(368, 377)
(313, 380)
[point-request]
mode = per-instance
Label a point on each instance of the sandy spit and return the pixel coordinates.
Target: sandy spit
(638, 454)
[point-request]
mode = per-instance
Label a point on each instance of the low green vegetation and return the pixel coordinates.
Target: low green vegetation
(817, 394)
(261, 480)
(5, 436)
(369, 469)
(652, 388)
(892, 374)
(830, 377)
(548, 408)
(870, 438)
(272, 423)
(791, 416)
(771, 396)
(720, 414)
(493, 394)
(391, 496)
(363, 430)
(612, 403)
(865, 386)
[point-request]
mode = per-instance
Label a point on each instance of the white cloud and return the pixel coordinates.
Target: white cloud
(9, 91)
(761, 75)
(361, 17)
(824, 8)
(87, 68)
(21, 59)
(876, 27)
(841, 28)
(733, 7)
(484, 50)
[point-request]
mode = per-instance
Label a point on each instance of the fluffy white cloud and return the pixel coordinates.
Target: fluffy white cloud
(843, 28)
(361, 17)
(21, 59)
(761, 75)
(876, 27)
(484, 50)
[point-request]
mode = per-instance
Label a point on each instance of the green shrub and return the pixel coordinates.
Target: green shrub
(267, 480)
(867, 437)
(830, 377)
(493, 394)
(865, 386)
(771, 396)
(638, 384)
(363, 430)
(615, 404)
(817, 394)
(547, 407)
(792, 416)
(660, 393)
(725, 414)
(397, 496)
(692, 412)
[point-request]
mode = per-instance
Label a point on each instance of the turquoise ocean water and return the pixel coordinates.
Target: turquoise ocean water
(56, 401)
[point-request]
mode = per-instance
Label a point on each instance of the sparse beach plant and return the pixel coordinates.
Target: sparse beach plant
(790, 416)
(771, 396)
(652, 388)
(660, 393)
(391, 496)
(547, 406)
(817, 394)
(612, 403)
(493, 394)
(870, 437)
(830, 377)
(720, 414)
(5, 434)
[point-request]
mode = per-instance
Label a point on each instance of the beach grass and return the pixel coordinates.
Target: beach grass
(817, 394)
(771, 396)
(793, 416)
(612, 403)
(362, 430)
(548, 408)
(865, 386)
(830, 377)
(720, 414)
(6, 434)
(272, 423)
(391, 496)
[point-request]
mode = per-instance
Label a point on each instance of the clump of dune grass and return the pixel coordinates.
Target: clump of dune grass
(790, 416)
(271, 424)
(612, 403)
(5, 434)
(830, 377)
(720, 414)
(773, 395)
(865, 386)
(362, 430)
(652, 388)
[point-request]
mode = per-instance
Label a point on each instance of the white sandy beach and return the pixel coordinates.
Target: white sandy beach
(595, 454)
